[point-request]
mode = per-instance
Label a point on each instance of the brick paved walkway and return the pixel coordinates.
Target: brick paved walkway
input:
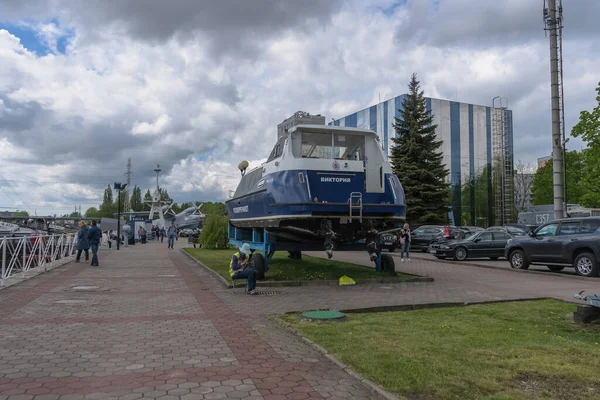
(156, 325)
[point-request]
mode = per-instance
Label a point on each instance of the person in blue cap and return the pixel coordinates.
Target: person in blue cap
(239, 268)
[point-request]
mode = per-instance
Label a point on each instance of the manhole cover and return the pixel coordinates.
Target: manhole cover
(267, 293)
(70, 301)
(167, 276)
(88, 289)
(323, 315)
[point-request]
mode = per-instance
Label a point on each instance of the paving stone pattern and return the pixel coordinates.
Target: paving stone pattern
(153, 324)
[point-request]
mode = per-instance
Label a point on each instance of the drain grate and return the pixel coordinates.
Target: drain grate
(268, 293)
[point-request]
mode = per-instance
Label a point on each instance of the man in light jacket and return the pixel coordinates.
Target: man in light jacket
(82, 242)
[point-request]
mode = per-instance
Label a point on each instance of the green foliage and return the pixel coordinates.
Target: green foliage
(417, 160)
(92, 212)
(542, 186)
(108, 195)
(19, 213)
(135, 203)
(217, 208)
(588, 128)
(214, 233)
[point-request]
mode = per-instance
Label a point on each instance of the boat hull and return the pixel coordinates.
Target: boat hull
(301, 195)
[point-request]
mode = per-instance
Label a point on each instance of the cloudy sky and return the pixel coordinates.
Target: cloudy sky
(198, 86)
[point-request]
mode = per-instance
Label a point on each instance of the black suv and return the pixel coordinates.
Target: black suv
(571, 242)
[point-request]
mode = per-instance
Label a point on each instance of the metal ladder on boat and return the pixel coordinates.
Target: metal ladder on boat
(356, 204)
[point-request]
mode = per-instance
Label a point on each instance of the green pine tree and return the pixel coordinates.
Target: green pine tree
(417, 161)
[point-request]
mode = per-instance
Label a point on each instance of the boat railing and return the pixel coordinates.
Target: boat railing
(21, 254)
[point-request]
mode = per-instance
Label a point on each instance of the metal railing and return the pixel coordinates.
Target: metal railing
(24, 253)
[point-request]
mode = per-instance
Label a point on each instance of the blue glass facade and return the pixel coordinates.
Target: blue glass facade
(466, 134)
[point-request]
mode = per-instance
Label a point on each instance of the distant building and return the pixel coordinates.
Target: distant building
(543, 160)
(300, 117)
(477, 145)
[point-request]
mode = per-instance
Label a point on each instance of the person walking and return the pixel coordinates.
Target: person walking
(94, 236)
(239, 268)
(171, 233)
(82, 242)
(405, 237)
(162, 233)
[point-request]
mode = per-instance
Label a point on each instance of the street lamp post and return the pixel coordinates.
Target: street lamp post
(119, 187)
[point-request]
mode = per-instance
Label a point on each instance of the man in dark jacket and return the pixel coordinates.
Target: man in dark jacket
(94, 237)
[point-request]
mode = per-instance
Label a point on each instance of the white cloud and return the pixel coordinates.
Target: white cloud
(173, 92)
(154, 128)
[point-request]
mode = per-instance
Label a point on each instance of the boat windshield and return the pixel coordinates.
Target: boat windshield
(333, 146)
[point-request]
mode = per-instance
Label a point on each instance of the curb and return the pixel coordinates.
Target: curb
(227, 284)
(475, 264)
(372, 386)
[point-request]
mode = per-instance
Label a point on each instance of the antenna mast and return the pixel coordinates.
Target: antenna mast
(128, 175)
(553, 23)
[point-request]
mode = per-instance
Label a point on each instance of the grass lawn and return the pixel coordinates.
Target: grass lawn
(282, 268)
(517, 350)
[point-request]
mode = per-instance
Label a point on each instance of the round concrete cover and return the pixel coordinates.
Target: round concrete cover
(322, 315)
(71, 301)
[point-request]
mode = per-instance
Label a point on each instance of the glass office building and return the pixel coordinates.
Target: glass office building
(477, 145)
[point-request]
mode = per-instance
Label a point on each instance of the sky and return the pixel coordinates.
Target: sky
(198, 86)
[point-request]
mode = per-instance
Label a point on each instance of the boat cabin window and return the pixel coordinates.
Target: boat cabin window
(333, 146)
(348, 147)
(316, 145)
(277, 150)
(249, 183)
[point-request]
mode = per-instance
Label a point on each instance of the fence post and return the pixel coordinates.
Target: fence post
(24, 238)
(3, 244)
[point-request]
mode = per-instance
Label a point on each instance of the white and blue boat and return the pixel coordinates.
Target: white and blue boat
(324, 185)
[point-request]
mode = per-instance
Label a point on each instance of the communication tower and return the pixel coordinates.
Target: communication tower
(553, 24)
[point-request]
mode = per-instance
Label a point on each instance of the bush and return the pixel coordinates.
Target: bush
(214, 233)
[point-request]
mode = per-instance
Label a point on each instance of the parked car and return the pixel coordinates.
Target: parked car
(480, 244)
(571, 242)
(525, 227)
(512, 231)
(424, 236)
(472, 228)
(391, 241)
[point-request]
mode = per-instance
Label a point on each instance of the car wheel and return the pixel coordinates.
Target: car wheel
(493, 258)
(392, 249)
(460, 254)
(555, 268)
(518, 260)
(585, 265)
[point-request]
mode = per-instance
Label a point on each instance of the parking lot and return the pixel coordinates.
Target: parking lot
(501, 263)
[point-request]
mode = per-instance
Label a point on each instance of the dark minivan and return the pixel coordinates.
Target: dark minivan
(570, 242)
